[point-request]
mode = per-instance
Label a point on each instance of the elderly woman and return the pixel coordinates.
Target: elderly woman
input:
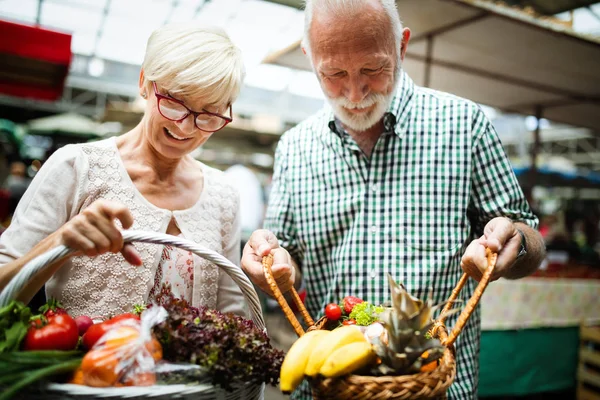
(146, 180)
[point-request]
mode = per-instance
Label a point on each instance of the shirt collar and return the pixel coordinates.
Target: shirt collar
(397, 114)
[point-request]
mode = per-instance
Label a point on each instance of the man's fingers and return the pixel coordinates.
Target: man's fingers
(282, 274)
(474, 262)
(498, 232)
(472, 270)
(262, 241)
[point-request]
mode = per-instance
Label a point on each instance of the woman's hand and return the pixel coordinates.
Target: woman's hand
(260, 244)
(94, 231)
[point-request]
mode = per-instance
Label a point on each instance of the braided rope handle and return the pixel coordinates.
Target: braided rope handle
(267, 263)
(45, 260)
(446, 339)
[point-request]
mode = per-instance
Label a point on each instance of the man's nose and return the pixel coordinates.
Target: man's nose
(357, 88)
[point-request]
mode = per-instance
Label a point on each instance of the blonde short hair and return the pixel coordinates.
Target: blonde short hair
(192, 61)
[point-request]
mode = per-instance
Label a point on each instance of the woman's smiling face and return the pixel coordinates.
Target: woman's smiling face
(175, 139)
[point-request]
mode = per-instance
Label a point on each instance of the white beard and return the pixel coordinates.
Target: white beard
(361, 122)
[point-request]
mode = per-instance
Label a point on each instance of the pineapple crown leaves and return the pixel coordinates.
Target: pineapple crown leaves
(407, 323)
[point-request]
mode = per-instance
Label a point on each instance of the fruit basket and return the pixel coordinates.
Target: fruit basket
(431, 384)
(198, 390)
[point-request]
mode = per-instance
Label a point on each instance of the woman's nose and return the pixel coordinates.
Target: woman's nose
(187, 125)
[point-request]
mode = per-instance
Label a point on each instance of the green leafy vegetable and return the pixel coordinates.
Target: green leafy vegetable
(14, 322)
(229, 348)
(365, 313)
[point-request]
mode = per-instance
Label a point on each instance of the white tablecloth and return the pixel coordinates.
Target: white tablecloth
(540, 302)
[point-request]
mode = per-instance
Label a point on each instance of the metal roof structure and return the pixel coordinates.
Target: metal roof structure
(496, 56)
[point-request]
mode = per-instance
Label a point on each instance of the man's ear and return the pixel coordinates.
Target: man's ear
(404, 44)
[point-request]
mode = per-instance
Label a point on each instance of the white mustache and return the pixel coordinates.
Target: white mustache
(367, 102)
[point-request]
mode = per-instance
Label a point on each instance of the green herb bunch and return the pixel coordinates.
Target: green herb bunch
(365, 313)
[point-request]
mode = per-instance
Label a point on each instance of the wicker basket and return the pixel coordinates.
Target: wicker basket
(423, 385)
(202, 391)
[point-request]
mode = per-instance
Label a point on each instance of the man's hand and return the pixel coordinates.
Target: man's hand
(502, 237)
(260, 244)
(94, 232)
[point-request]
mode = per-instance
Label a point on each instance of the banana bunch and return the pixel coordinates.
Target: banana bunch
(327, 353)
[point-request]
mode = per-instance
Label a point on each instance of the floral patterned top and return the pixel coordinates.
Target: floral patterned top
(175, 268)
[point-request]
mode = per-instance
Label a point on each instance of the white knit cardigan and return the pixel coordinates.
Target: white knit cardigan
(77, 175)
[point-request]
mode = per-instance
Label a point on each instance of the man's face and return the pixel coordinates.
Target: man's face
(356, 62)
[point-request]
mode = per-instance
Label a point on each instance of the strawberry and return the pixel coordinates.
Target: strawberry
(349, 302)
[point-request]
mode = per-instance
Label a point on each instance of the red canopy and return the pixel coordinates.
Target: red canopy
(34, 61)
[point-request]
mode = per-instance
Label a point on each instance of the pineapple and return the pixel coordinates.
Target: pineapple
(406, 337)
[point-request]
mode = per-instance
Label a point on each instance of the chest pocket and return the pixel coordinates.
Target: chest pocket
(433, 228)
(436, 196)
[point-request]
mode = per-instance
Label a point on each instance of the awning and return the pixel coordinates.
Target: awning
(496, 56)
(34, 62)
(548, 177)
(69, 124)
(552, 7)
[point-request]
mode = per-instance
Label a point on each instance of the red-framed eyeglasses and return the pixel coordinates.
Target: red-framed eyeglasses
(174, 110)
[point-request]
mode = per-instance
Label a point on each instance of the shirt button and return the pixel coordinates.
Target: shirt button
(373, 274)
(373, 229)
(374, 187)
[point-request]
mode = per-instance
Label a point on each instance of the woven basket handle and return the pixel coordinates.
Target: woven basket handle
(471, 304)
(46, 259)
(267, 263)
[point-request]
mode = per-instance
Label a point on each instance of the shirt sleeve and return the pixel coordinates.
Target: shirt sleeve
(229, 296)
(279, 218)
(50, 201)
(495, 191)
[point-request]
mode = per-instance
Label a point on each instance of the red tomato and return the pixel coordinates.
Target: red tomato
(333, 312)
(56, 332)
(349, 303)
(349, 322)
(96, 331)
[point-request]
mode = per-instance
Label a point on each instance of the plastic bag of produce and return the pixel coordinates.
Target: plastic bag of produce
(126, 355)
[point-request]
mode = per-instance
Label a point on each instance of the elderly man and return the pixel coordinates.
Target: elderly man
(392, 178)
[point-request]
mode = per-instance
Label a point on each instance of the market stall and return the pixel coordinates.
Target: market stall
(530, 333)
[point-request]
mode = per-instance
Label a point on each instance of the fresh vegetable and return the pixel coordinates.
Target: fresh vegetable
(96, 331)
(119, 359)
(100, 368)
(56, 332)
(14, 323)
(138, 309)
(349, 302)
(333, 312)
(83, 324)
(229, 347)
(349, 322)
(20, 369)
(52, 307)
(365, 313)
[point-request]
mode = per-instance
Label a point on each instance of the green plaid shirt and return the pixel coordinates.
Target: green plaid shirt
(434, 179)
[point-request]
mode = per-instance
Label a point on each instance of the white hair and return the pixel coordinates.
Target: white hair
(195, 61)
(348, 7)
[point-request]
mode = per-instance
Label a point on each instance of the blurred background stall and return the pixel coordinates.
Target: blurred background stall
(68, 74)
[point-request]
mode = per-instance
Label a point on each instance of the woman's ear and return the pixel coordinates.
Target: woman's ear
(142, 84)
